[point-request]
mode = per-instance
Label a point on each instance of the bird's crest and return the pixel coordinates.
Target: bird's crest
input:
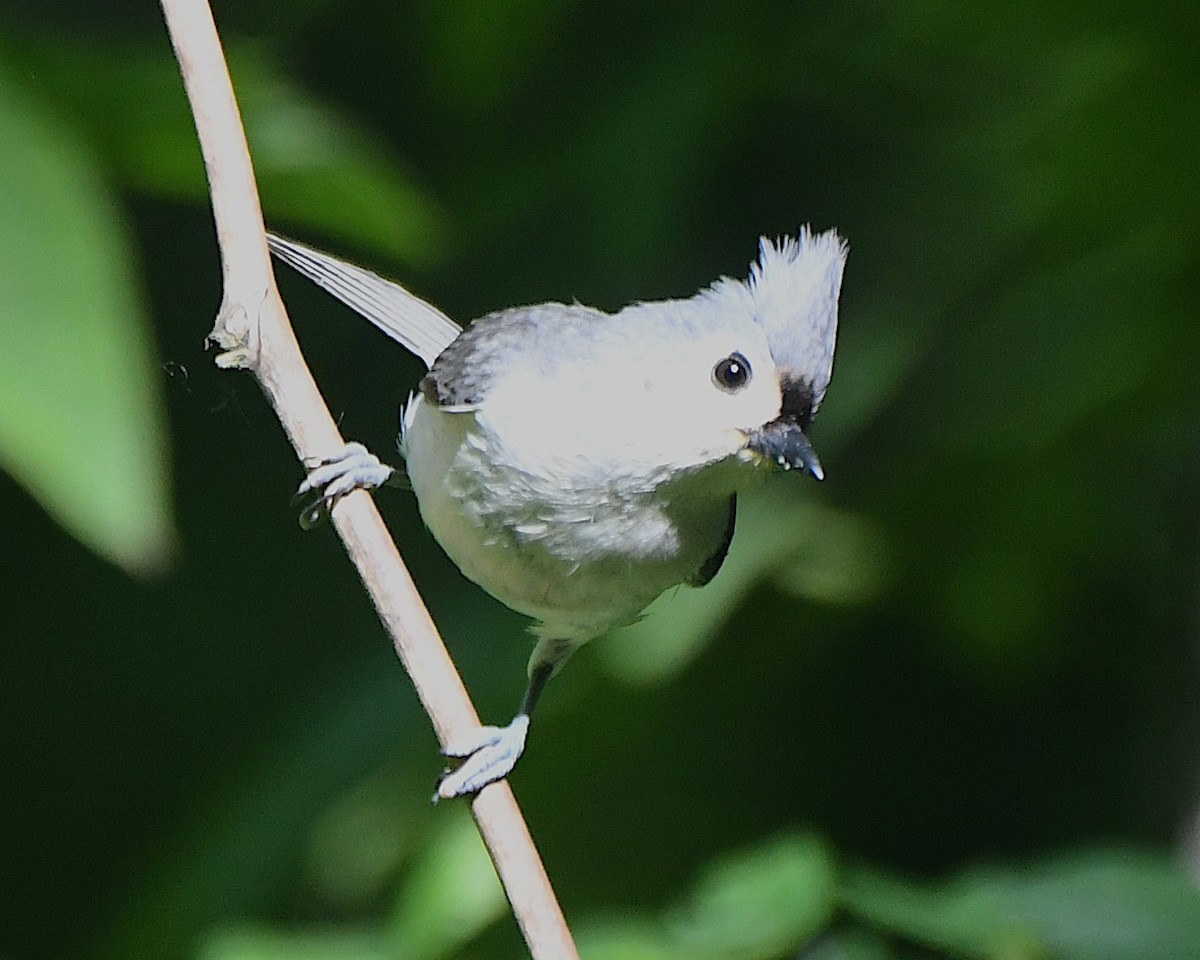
(793, 287)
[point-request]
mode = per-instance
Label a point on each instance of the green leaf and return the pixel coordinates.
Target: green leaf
(1101, 905)
(450, 895)
(317, 169)
(755, 904)
(625, 938)
(81, 418)
(758, 903)
(849, 944)
(248, 942)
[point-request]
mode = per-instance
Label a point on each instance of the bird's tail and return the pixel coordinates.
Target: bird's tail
(417, 325)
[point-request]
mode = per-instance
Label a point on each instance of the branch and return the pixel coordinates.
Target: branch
(253, 331)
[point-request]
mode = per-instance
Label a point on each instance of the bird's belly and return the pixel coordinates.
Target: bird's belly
(582, 562)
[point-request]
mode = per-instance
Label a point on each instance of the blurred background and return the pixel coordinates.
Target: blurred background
(945, 704)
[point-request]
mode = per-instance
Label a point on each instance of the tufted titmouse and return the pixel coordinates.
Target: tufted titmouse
(576, 464)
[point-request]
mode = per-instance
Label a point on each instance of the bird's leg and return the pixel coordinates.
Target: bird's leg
(354, 468)
(490, 753)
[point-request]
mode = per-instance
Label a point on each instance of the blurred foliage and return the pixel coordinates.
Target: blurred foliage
(82, 428)
(944, 705)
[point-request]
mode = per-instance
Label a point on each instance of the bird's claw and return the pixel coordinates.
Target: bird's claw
(487, 755)
(355, 468)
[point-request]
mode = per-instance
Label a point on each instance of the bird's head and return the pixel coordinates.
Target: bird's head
(791, 296)
(733, 375)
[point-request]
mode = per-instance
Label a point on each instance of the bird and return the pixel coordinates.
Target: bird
(576, 463)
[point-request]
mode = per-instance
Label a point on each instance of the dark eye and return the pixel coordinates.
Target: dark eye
(732, 373)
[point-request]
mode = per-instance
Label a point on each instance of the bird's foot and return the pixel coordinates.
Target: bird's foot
(355, 468)
(487, 755)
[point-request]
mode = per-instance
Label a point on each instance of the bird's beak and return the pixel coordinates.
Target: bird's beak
(785, 442)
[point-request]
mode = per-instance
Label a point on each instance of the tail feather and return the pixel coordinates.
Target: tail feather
(415, 324)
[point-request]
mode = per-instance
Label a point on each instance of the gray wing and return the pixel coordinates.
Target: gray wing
(712, 565)
(496, 343)
(403, 316)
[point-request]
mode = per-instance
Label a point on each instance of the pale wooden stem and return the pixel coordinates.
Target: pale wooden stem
(254, 333)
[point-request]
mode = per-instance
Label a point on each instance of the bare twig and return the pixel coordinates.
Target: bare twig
(253, 332)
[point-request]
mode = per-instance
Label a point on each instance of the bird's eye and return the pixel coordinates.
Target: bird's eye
(732, 373)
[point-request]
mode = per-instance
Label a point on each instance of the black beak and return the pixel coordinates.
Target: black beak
(785, 442)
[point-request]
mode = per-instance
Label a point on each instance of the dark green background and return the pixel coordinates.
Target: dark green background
(956, 696)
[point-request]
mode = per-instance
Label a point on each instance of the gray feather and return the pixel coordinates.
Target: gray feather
(465, 370)
(415, 324)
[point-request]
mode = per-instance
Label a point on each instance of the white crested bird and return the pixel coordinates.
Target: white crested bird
(575, 463)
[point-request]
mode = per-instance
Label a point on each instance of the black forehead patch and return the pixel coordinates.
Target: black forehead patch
(798, 398)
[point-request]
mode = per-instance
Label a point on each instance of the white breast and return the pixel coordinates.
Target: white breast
(581, 554)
